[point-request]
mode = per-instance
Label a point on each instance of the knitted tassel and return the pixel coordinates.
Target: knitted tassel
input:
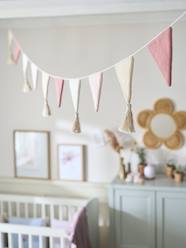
(46, 109)
(76, 128)
(26, 87)
(128, 124)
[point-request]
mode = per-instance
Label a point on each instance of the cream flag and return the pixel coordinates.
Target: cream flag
(26, 86)
(34, 71)
(96, 82)
(75, 87)
(124, 72)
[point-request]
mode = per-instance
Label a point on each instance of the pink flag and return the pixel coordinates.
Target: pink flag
(96, 82)
(16, 53)
(161, 50)
(59, 90)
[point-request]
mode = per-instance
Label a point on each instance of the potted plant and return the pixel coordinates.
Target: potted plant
(142, 160)
(170, 167)
(178, 174)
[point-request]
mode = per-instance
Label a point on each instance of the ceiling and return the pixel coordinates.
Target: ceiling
(60, 8)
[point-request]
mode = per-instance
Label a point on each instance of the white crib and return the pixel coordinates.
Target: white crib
(46, 208)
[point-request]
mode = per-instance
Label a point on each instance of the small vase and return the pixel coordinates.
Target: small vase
(122, 171)
(169, 171)
(178, 177)
(149, 172)
(141, 169)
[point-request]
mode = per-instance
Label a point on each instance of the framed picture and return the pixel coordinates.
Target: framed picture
(32, 158)
(71, 162)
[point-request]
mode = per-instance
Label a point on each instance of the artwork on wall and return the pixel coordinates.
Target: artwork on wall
(32, 158)
(71, 162)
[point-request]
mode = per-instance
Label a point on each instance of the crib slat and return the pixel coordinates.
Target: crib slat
(17, 209)
(9, 239)
(29, 241)
(70, 212)
(60, 212)
(1, 205)
(51, 212)
(1, 240)
(43, 211)
(20, 243)
(26, 207)
(62, 242)
(51, 242)
(34, 210)
(40, 241)
(9, 208)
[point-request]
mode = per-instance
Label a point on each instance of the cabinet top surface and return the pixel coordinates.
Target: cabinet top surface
(161, 182)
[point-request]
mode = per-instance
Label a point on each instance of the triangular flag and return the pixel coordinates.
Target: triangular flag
(124, 72)
(96, 82)
(26, 86)
(75, 86)
(59, 90)
(45, 84)
(161, 50)
(13, 49)
(34, 71)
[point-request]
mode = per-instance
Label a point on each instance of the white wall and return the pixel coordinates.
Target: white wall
(73, 51)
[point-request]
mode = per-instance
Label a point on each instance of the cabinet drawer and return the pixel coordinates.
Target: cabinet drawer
(134, 223)
(171, 220)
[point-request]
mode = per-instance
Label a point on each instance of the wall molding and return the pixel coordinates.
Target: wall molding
(54, 188)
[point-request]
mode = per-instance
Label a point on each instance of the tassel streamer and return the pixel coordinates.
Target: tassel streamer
(128, 123)
(76, 128)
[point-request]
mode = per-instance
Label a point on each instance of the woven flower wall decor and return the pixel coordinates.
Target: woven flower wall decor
(163, 124)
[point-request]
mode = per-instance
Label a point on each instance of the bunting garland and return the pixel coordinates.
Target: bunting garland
(75, 86)
(124, 72)
(160, 47)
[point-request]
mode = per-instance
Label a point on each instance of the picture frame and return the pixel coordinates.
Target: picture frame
(71, 162)
(32, 154)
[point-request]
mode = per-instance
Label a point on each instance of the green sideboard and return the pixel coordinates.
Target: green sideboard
(152, 215)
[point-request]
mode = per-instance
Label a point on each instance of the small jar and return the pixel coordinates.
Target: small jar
(178, 177)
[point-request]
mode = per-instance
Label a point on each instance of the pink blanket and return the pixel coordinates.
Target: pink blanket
(80, 234)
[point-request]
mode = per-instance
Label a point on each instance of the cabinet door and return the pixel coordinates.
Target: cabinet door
(134, 219)
(171, 220)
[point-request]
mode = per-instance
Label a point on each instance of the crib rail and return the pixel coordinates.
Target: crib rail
(40, 207)
(7, 232)
(46, 208)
